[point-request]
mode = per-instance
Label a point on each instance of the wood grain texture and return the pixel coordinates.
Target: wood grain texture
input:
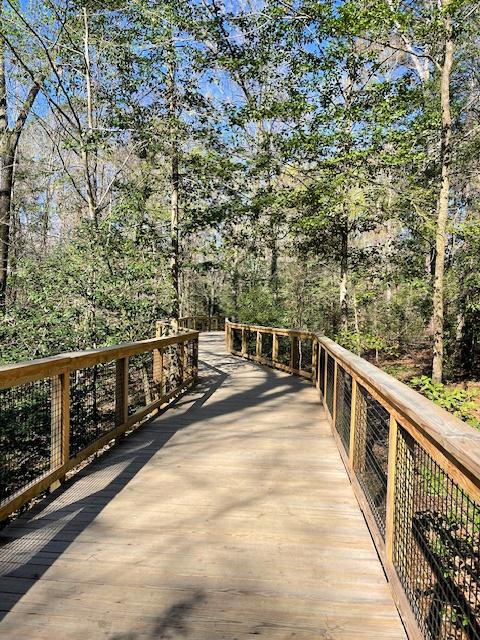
(229, 516)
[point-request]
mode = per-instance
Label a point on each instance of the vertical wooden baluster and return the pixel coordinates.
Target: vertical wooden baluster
(244, 343)
(158, 372)
(315, 364)
(258, 349)
(294, 353)
(60, 424)
(274, 348)
(353, 414)
(121, 391)
(390, 506)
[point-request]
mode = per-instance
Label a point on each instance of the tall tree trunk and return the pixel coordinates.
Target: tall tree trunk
(7, 159)
(343, 278)
(442, 204)
(9, 137)
(6, 179)
(174, 218)
(90, 167)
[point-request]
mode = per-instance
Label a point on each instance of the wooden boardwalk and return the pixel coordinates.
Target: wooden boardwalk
(229, 516)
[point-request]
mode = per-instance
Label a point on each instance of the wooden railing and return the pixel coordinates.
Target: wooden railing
(202, 323)
(58, 411)
(283, 349)
(415, 470)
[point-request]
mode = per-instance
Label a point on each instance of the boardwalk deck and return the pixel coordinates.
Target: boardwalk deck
(229, 516)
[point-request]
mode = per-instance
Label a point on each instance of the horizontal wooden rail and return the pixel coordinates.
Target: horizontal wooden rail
(415, 470)
(56, 412)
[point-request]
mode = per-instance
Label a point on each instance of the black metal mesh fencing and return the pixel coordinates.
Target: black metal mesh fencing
(172, 369)
(436, 549)
(372, 422)
(344, 406)
(30, 443)
(284, 350)
(237, 340)
(267, 346)
(191, 349)
(305, 353)
(251, 339)
(330, 382)
(321, 368)
(92, 405)
(143, 389)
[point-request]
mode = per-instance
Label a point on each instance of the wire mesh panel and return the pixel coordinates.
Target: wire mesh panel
(436, 549)
(237, 339)
(92, 405)
(143, 389)
(371, 452)
(284, 350)
(305, 355)
(321, 369)
(30, 444)
(267, 346)
(191, 357)
(172, 371)
(344, 406)
(330, 382)
(251, 340)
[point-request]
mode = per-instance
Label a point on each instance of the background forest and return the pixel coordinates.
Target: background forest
(305, 163)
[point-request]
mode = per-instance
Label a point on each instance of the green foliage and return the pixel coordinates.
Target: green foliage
(457, 401)
(359, 342)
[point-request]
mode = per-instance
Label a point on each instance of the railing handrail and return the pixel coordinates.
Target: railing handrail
(30, 370)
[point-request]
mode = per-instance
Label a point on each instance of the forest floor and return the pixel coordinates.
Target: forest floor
(418, 363)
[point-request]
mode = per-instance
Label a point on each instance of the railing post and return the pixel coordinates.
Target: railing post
(227, 337)
(258, 346)
(158, 371)
(351, 447)
(315, 376)
(60, 424)
(390, 506)
(244, 343)
(121, 391)
(294, 353)
(274, 347)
